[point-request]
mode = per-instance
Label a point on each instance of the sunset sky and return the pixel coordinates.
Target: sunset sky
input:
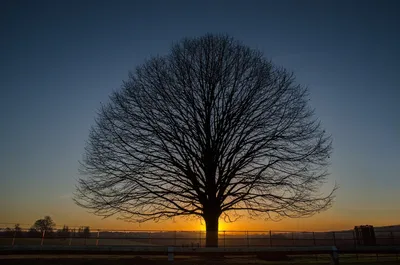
(60, 59)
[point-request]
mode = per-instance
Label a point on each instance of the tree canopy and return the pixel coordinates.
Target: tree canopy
(44, 225)
(208, 130)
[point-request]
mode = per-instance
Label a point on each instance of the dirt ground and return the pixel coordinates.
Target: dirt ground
(179, 260)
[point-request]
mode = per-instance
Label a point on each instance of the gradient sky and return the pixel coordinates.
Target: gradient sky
(60, 59)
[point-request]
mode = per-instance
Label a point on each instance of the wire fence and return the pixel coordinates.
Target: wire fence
(74, 237)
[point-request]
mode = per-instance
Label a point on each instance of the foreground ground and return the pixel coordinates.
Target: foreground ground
(181, 260)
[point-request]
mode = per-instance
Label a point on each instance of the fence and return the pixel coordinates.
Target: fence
(341, 240)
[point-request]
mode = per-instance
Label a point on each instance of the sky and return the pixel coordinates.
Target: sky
(60, 59)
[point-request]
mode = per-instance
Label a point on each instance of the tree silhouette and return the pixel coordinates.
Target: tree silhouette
(8, 232)
(84, 231)
(32, 232)
(44, 225)
(17, 230)
(64, 232)
(209, 130)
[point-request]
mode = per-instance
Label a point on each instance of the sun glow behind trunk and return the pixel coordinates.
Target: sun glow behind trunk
(222, 226)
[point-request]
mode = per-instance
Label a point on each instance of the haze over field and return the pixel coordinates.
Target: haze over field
(61, 59)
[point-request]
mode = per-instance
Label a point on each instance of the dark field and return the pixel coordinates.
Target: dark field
(193, 239)
(188, 239)
(186, 260)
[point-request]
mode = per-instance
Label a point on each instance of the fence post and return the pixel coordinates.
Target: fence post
(98, 235)
(355, 243)
(334, 238)
(247, 232)
(224, 239)
(392, 236)
(335, 256)
(293, 238)
(270, 238)
(313, 236)
(354, 239)
(315, 243)
(174, 238)
(200, 237)
(13, 241)
(170, 253)
(41, 243)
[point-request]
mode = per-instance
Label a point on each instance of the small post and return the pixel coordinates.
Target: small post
(149, 236)
(313, 236)
(355, 243)
(70, 239)
(334, 238)
(174, 238)
(200, 237)
(315, 243)
(293, 239)
(97, 240)
(335, 256)
(354, 239)
(224, 239)
(13, 241)
(247, 232)
(170, 253)
(392, 236)
(270, 238)
(41, 243)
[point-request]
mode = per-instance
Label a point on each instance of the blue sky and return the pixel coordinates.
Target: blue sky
(60, 59)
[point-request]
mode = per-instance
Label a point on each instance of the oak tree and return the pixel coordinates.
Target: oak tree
(209, 130)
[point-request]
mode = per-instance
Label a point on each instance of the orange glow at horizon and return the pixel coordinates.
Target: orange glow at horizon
(334, 219)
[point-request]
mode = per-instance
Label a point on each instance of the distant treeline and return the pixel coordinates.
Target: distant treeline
(45, 226)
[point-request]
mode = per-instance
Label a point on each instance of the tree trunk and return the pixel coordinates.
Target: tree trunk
(211, 221)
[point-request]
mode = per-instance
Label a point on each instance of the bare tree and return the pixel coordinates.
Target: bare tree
(209, 130)
(17, 230)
